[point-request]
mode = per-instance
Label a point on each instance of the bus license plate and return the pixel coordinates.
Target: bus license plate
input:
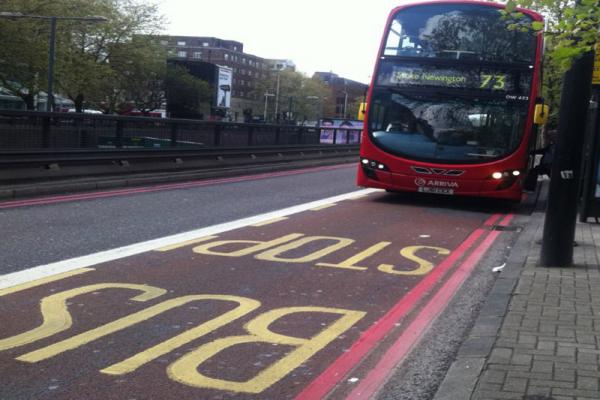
(436, 190)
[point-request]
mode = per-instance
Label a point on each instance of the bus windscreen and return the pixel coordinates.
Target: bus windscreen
(441, 128)
(460, 32)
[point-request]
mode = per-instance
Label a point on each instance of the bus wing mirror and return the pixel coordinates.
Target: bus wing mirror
(540, 116)
(361, 112)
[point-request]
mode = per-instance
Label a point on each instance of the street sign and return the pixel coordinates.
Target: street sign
(596, 74)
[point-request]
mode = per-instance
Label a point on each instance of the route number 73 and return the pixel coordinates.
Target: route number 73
(491, 81)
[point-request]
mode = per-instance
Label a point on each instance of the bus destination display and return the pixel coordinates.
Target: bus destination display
(481, 79)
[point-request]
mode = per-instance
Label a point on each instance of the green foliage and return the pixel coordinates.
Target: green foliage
(571, 26)
(23, 57)
(189, 97)
(101, 63)
(571, 29)
(298, 97)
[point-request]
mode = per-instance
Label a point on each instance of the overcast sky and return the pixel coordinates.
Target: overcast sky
(341, 36)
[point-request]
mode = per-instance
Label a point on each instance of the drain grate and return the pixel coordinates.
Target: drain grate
(514, 228)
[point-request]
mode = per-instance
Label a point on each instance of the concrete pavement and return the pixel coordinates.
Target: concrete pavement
(538, 335)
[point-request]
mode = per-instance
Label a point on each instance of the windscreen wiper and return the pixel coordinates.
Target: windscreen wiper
(481, 155)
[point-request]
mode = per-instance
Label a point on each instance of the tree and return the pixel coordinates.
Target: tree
(102, 60)
(188, 96)
(91, 62)
(139, 70)
(24, 53)
(298, 97)
(572, 29)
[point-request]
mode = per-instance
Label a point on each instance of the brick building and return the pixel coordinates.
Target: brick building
(343, 93)
(248, 69)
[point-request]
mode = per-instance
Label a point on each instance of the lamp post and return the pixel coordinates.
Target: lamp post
(277, 96)
(267, 95)
(345, 97)
(51, 43)
(316, 98)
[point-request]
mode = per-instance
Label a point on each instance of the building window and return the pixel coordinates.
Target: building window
(243, 60)
(226, 56)
(182, 54)
(205, 44)
(197, 55)
(181, 43)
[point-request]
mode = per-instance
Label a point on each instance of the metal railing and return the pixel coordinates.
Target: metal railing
(34, 130)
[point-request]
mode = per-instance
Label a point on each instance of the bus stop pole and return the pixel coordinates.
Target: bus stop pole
(563, 193)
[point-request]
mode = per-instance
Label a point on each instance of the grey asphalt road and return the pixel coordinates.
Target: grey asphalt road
(38, 235)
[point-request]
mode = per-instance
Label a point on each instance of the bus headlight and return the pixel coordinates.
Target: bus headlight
(506, 174)
(506, 178)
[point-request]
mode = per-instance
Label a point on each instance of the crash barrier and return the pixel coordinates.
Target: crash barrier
(18, 167)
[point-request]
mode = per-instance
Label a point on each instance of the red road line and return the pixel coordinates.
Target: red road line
(491, 221)
(367, 388)
(170, 186)
(325, 382)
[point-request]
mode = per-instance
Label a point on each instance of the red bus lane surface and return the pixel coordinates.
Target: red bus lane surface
(285, 308)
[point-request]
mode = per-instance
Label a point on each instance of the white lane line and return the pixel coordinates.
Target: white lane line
(43, 271)
(323, 207)
(272, 221)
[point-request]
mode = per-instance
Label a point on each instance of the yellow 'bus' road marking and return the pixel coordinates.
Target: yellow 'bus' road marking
(271, 221)
(186, 369)
(42, 281)
(245, 306)
(56, 316)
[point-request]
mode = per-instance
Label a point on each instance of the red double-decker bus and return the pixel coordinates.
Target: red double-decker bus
(451, 104)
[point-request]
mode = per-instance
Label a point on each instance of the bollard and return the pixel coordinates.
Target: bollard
(217, 133)
(174, 132)
(46, 132)
(563, 193)
(119, 135)
(250, 135)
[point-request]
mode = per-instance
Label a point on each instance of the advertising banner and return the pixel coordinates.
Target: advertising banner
(331, 127)
(224, 82)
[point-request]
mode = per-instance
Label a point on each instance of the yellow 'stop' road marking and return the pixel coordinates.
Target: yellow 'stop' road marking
(42, 281)
(52, 269)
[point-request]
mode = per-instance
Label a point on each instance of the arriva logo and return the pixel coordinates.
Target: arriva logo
(435, 183)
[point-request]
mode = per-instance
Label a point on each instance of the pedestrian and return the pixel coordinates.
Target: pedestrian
(544, 167)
